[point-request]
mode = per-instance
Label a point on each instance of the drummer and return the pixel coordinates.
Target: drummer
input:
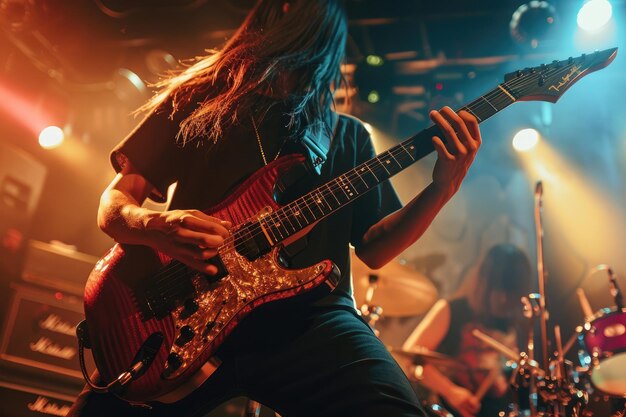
(488, 301)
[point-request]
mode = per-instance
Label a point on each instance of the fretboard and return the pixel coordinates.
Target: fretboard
(349, 186)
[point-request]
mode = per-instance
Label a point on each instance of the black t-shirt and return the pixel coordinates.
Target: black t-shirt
(207, 173)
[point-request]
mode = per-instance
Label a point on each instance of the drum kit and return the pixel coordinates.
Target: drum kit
(560, 389)
(555, 386)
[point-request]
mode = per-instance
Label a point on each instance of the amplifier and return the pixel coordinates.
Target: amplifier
(40, 332)
(24, 401)
(57, 266)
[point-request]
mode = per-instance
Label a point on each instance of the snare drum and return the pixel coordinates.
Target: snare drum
(604, 339)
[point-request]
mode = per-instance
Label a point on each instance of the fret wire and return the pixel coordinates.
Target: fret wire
(288, 218)
(333, 194)
(391, 154)
(277, 222)
(488, 102)
(408, 153)
(320, 197)
(383, 165)
(282, 237)
(370, 169)
(361, 177)
(349, 190)
(309, 207)
(268, 228)
(296, 214)
(352, 188)
(341, 186)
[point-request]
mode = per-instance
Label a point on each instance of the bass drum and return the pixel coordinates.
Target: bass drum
(604, 342)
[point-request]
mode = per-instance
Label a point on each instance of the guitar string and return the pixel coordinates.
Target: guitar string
(518, 83)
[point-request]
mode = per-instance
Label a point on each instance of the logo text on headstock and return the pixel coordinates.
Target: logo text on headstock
(565, 79)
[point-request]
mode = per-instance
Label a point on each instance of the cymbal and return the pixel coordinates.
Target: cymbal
(422, 356)
(399, 289)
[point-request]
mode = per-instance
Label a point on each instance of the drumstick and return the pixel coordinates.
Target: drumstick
(584, 303)
(487, 383)
(506, 351)
(572, 340)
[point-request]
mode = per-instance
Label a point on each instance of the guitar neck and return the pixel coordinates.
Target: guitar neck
(341, 191)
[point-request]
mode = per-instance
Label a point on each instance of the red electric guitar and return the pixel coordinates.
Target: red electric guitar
(154, 324)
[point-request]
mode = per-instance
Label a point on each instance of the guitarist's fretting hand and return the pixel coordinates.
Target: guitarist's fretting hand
(390, 236)
(462, 142)
(189, 236)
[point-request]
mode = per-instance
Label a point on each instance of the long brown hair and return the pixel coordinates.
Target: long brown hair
(504, 268)
(308, 42)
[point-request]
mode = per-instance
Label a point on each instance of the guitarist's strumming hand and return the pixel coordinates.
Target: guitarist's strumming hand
(190, 236)
(462, 140)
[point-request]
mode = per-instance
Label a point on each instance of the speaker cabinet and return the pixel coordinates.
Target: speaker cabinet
(39, 334)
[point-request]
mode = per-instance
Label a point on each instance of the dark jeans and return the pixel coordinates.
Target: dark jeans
(317, 362)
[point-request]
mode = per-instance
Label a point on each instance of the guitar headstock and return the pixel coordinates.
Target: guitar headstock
(548, 82)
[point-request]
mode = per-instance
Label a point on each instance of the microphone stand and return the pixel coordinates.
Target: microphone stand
(543, 311)
(616, 293)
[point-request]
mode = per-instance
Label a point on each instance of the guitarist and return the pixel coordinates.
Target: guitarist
(215, 124)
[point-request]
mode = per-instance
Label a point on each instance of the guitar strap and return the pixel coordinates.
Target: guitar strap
(317, 146)
(317, 141)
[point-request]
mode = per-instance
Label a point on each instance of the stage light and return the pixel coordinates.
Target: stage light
(525, 140)
(374, 82)
(51, 137)
(368, 127)
(373, 97)
(594, 15)
(374, 60)
(532, 23)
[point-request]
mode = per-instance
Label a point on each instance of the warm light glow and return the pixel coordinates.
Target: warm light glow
(22, 111)
(582, 215)
(51, 137)
(368, 127)
(594, 15)
(525, 140)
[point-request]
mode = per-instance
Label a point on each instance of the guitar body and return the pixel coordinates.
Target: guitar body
(118, 300)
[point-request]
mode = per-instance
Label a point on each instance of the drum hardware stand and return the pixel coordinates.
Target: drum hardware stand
(616, 293)
(371, 313)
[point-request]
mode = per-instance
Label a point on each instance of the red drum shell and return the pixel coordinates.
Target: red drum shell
(604, 339)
